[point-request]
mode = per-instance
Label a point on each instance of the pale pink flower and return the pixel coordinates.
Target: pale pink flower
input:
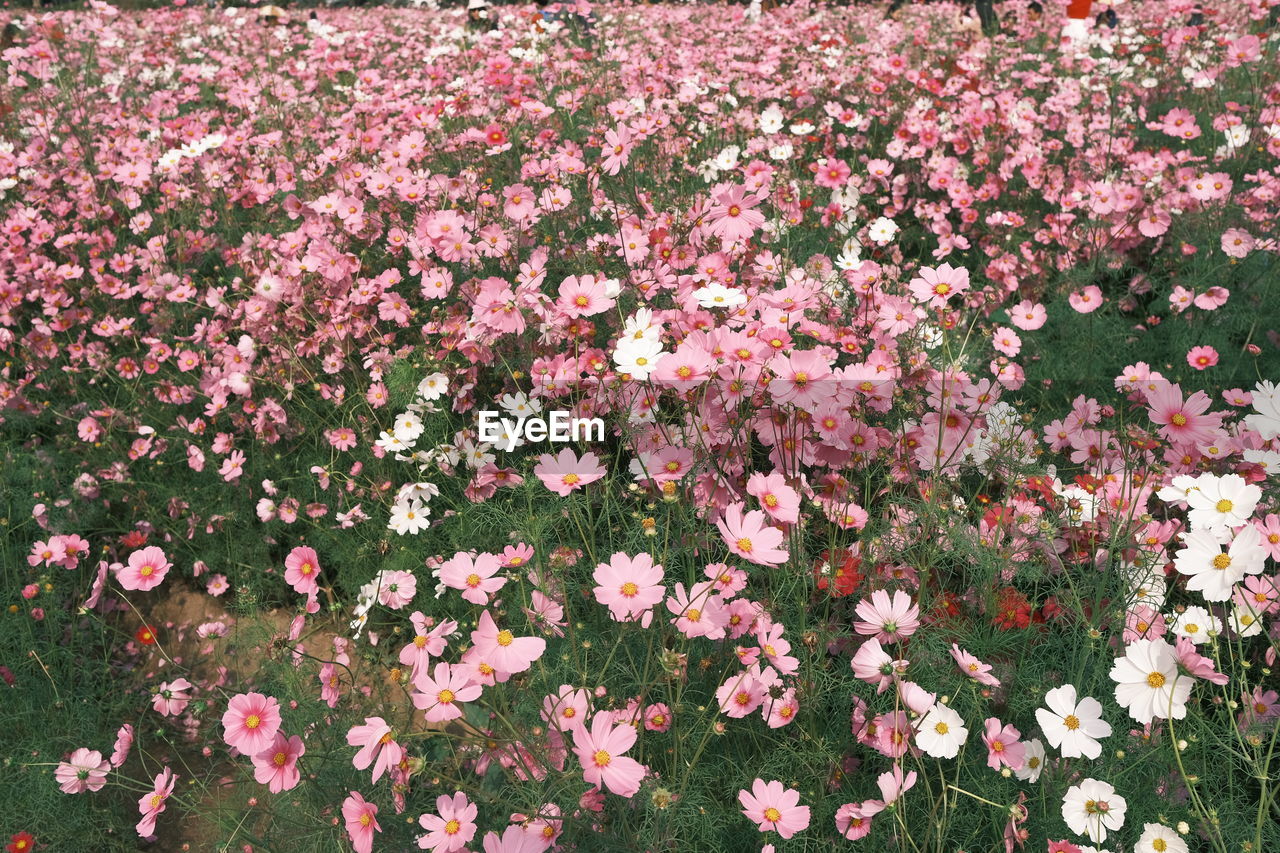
(276, 767)
(600, 751)
(442, 692)
(629, 587)
(145, 570)
(171, 697)
(749, 537)
(251, 722)
(84, 770)
(565, 472)
(473, 575)
(886, 619)
(774, 808)
(454, 825)
(361, 819)
(301, 568)
(502, 649)
(377, 746)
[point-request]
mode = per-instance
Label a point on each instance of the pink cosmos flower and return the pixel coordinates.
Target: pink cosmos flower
(935, 286)
(750, 538)
(629, 587)
(1028, 315)
(145, 570)
(152, 804)
(779, 500)
(301, 569)
(853, 821)
(453, 827)
(872, 664)
(396, 589)
(277, 766)
(124, 741)
(600, 751)
(251, 722)
(567, 708)
(362, 822)
(1086, 301)
(474, 576)
(1003, 747)
(698, 613)
(888, 620)
(774, 808)
(84, 771)
(171, 697)
(441, 693)
(583, 296)
(657, 717)
(502, 649)
(732, 217)
(1202, 357)
(972, 667)
(565, 473)
(377, 746)
(1182, 423)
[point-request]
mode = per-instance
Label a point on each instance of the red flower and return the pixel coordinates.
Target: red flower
(134, 539)
(23, 842)
(841, 569)
(1012, 610)
(145, 635)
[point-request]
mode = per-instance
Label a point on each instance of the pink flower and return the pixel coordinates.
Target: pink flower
(750, 538)
(362, 823)
(565, 473)
(853, 821)
(583, 296)
(301, 568)
(396, 589)
(972, 667)
(502, 649)
(1182, 423)
(276, 767)
(124, 741)
(774, 807)
(779, 500)
(1028, 315)
(600, 752)
(171, 697)
(84, 771)
(657, 717)
(153, 803)
(698, 613)
(1196, 664)
(453, 827)
(888, 620)
(1003, 746)
(1237, 243)
(251, 722)
(1086, 301)
(377, 746)
(145, 570)
(1202, 357)
(441, 693)
(935, 286)
(732, 217)
(474, 575)
(629, 587)
(567, 708)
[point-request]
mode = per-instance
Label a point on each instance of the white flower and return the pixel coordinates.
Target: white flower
(1237, 136)
(1033, 764)
(408, 427)
(941, 732)
(728, 158)
(1147, 586)
(882, 231)
(639, 326)
(637, 357)
(781, 152)
(771, 120)
(1196, 624)
(1213, 573)
(1244, 622)
(802, 127)
(1177, 491)
(519, 404)
(476, 454)
(392, 444)
(1070, 726)
(433, 386)
(1219, 503)
(1266, 402)
(1093, 808)
(421, 492)
(1148, 684)
(1159, 839)
(716, 295)
(409, 517)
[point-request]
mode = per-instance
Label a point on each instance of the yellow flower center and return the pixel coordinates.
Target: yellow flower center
(1223, 505)
(505, 638)
(571, 479)
(1222, 561)
(941, 728)
(629, 589)
(280, 759)
(452, 827)
(601, 758)
(693, 615)
(1159, 845)
(147, 571)
(473, 580)
(1178, 419)
(1155, 680)
(744, 544)
(772, 815)
(444, 697)
(252, 721)
(1071, 721)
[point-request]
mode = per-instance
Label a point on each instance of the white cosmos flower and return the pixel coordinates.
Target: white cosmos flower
(1177, 491)
(637, 357)
(941, 732)
(1244, 622)
(1147, 586)
(771, 120)
(882, 231)
(1196, 624)
(1148, 684)
(433, 387)
(781, 152)
(1033, 764)
(728, 158)
(408, 427)
(519, 404)
(392, 444)
(1266, 402)
(1214, 573)
(409, 517)
(1072, 727)
(1159, 839)
(716, 295)
(1221, 503)
(1093, 808)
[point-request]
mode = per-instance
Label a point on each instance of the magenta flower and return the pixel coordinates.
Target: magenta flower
(600, 752)
(145, 570)
(453, 827)
(565, 472)
(774, 808)
(750, 538)
(85, 770)
(276, 767)
(301, 569)
(251, 722)
(362, 823)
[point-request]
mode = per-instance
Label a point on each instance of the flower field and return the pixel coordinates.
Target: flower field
(657, 428)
